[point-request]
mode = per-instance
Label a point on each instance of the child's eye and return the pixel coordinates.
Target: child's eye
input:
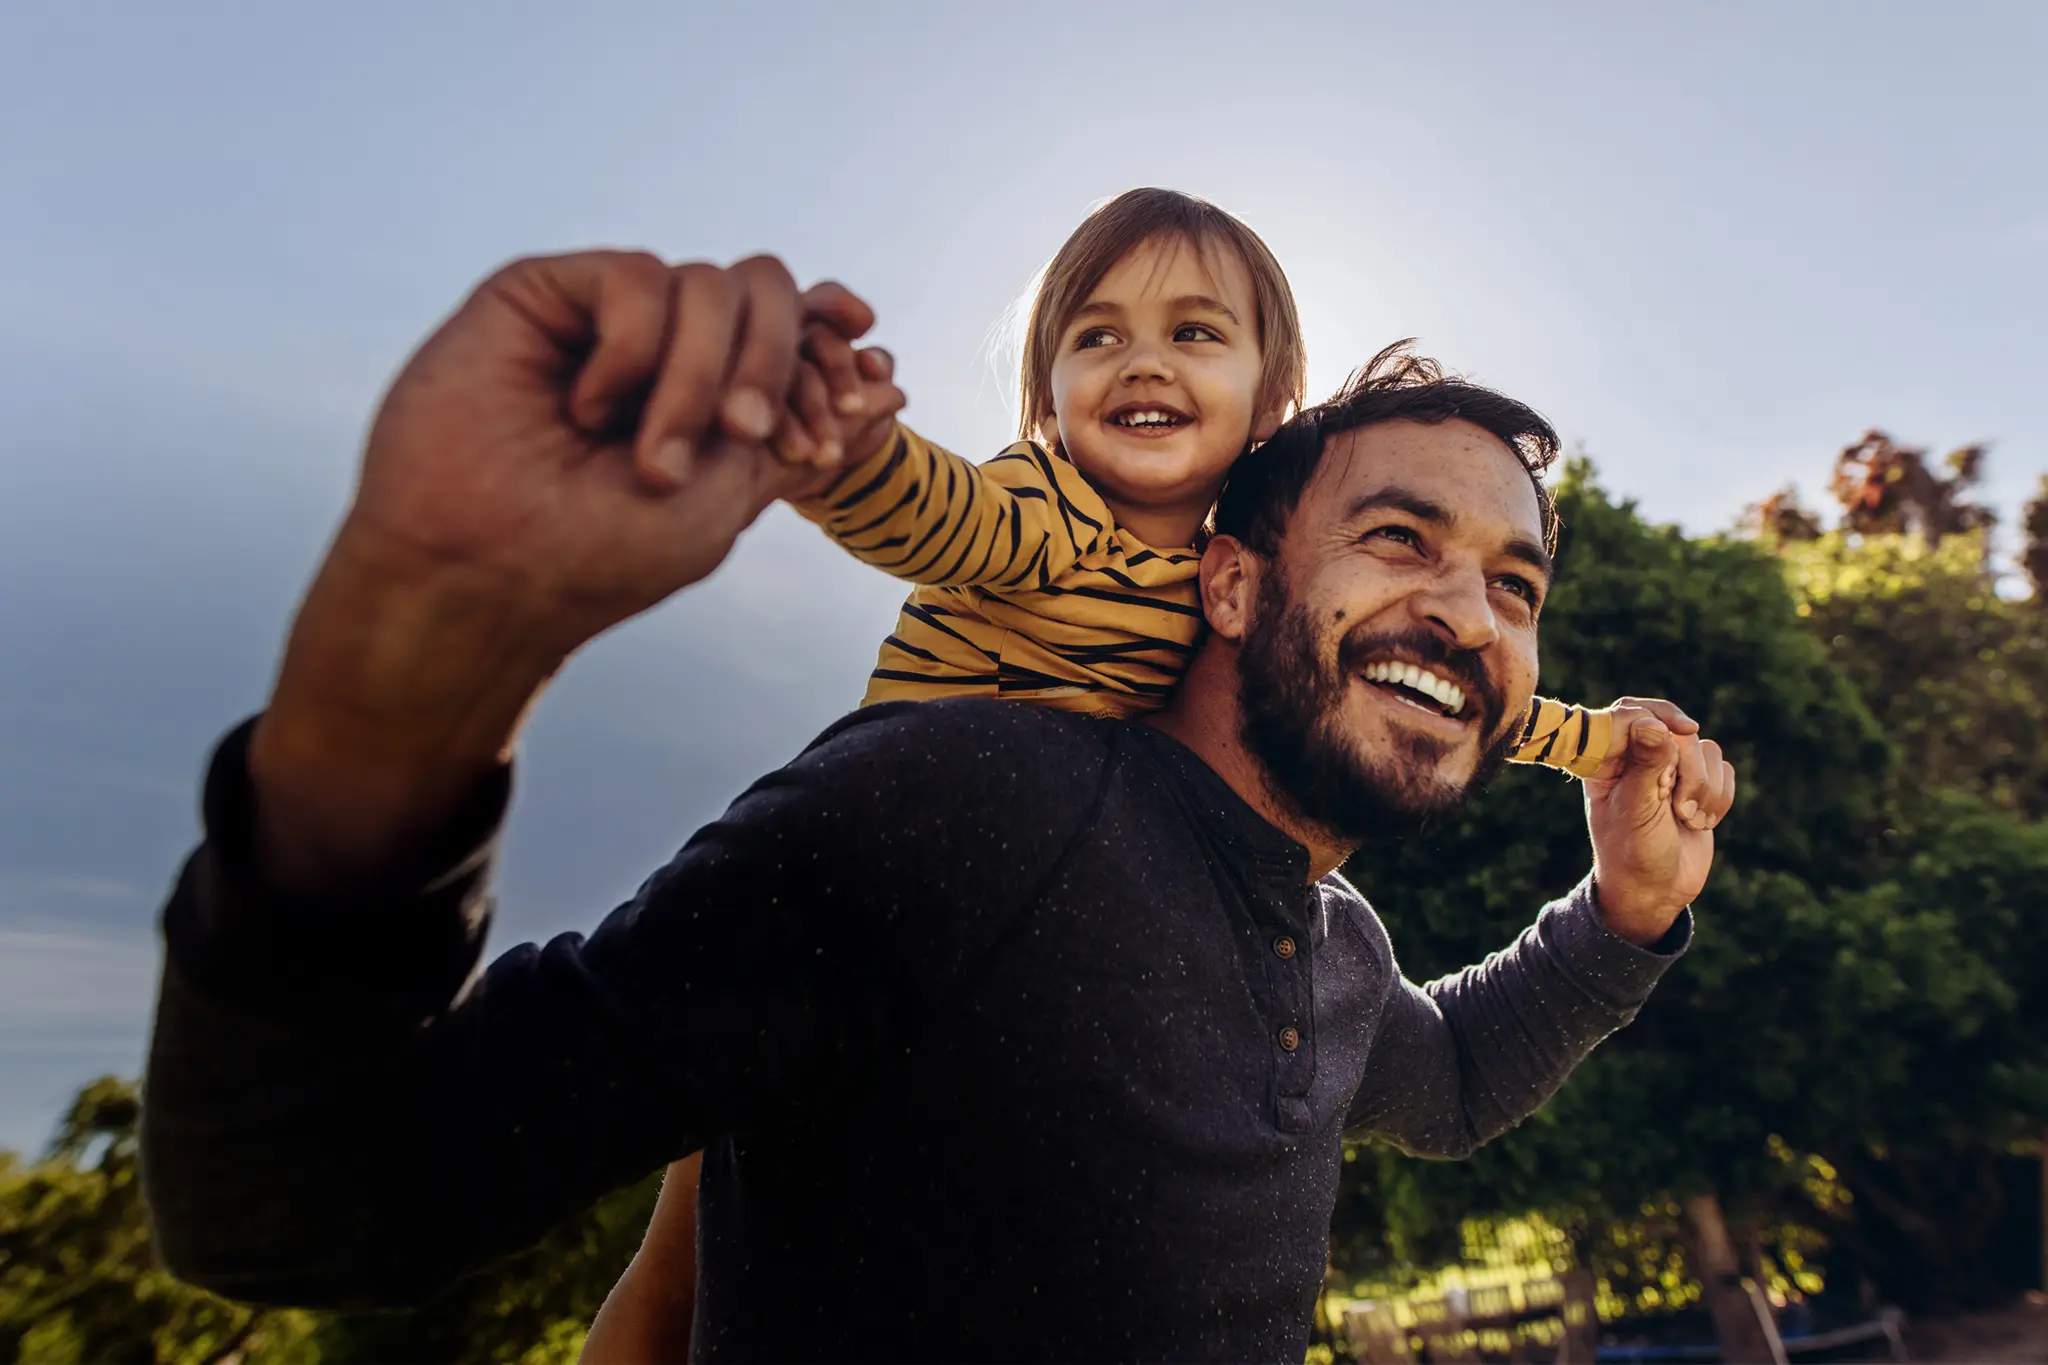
(1093, 337)
(1195, 331)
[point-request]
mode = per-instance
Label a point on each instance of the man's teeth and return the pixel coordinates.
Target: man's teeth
(1440, 689)
(1147, 417)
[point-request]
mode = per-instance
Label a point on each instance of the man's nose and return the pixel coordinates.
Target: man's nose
(1456, 605)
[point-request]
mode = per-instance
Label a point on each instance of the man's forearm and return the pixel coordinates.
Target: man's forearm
(1462, 1060)
(400, 692)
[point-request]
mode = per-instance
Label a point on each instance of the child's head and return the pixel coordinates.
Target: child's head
(1162, 341)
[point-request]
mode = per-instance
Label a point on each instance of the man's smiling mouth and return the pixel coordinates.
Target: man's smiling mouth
(1422, 688)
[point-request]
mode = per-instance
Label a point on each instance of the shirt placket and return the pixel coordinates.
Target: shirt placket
(1286, 926)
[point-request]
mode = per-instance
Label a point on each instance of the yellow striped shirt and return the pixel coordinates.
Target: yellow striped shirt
(1028, 589)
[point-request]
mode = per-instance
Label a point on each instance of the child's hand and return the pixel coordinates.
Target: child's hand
(1695, 755)
(812, 434)
(842, 403)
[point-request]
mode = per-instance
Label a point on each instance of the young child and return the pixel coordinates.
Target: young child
(1162, 345)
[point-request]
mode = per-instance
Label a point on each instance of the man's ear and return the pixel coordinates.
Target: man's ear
(1229, 581)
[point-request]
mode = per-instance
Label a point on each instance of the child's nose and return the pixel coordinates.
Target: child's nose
(1147, 362)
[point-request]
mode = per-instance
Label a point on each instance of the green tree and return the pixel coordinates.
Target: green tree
(1956, 674)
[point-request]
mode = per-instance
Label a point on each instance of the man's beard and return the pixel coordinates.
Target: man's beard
(1293, 723)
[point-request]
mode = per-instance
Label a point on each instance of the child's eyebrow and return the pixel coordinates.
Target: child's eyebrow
(1101, 308)
(1202, 303)
(1186, 303)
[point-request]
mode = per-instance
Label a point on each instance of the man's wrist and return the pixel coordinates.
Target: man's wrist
(1643, 925)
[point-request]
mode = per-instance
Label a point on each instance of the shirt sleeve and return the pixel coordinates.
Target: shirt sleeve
(926, 515)
(1460, 1061)
(343, 1109)
(1560, 735)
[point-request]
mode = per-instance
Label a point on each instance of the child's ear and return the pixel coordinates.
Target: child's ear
(1228, 577)
(1268, 422)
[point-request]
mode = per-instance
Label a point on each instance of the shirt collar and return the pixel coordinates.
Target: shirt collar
(1224, 814)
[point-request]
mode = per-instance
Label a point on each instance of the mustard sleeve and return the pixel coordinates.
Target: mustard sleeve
(924, 514)
(1559, 735)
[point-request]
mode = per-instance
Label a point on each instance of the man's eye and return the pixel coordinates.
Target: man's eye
(1195, 331)
(1400, 535)
(1093, 337)
(1522, 588)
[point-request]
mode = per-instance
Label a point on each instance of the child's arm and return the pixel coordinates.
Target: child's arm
(1589, 744)
(922, 513)
(1558, 735)
(647, 1315)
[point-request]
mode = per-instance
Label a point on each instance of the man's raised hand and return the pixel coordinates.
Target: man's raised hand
(584, 436)
(1652, 810)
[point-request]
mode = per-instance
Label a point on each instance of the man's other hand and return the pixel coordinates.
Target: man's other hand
(1652, 812)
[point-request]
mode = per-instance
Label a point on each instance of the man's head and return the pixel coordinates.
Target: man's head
(1378, 568)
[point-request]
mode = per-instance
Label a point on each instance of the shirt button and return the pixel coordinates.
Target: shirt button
(1283, 947)
(1290, 1038)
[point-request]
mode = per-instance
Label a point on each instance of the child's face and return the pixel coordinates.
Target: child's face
(1155, 382)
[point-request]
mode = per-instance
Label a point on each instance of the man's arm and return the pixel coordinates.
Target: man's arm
(1460, 1061)
(924, 514)
(584, 436)
(342, 1110)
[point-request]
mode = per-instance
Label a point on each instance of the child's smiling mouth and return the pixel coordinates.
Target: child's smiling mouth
(1148, 419)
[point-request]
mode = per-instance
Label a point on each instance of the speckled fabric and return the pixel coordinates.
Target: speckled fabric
(1012, 1034)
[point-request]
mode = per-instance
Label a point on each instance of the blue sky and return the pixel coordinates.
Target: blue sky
(1713, 243)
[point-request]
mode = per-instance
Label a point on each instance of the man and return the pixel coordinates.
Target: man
(1007, 1032)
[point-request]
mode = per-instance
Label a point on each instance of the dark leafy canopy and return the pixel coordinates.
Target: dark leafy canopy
(1864, 983)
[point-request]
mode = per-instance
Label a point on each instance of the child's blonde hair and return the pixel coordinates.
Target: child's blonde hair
(1105, 237)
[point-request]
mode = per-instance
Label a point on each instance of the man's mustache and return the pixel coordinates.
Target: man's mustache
(1462, 666)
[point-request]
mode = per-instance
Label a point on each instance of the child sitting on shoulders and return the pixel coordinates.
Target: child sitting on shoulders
(1162, 346)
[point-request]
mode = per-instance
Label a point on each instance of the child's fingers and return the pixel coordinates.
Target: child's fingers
(833, 355)
(810, 402)
(1694, 778)
(832, 303)
(1718, 789)
(876, 364)
(792, 444)
(883, 401)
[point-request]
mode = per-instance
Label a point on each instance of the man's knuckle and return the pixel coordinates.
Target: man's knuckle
(641, 267)
(766, 269)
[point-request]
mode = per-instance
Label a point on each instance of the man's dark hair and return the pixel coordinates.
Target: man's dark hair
(1395, 386)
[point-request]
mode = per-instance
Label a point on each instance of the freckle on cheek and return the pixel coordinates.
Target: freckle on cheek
(1338, 618)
